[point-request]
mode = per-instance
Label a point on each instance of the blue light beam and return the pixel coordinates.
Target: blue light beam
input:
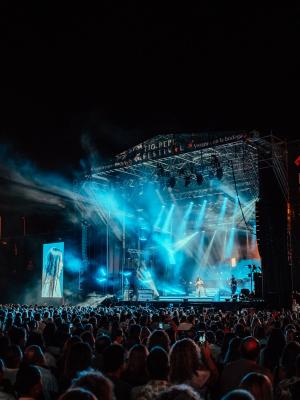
(166, 225)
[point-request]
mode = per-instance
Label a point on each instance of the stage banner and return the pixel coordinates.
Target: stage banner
(52, 275)
(161, 147)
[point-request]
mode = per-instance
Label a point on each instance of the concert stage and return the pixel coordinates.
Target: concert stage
(173, 210)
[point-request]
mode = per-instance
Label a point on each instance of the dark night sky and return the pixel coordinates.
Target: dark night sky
(125, 73)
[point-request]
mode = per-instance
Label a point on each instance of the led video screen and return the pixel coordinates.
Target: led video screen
(52, 275)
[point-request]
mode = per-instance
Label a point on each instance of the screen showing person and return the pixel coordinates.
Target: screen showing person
(52, 276)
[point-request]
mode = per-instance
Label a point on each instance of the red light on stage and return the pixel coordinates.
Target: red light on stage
(297, 162)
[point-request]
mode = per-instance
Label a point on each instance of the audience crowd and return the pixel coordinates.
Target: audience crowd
(147, 352)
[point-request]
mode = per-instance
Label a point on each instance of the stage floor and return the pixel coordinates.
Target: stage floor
(176, 301)
(224, 303)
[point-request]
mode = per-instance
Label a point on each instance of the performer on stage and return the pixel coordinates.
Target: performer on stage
(233, 285)
(200, 288)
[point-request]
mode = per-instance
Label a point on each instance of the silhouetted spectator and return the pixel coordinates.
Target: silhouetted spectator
(185, 365)
(101, 343)
(33, 355)
(29, 383)
(135, 373)
(258, 385)
(270, 355)
(17, 336)
(79, 358)
(159, 338)
(234, 372)
(114, 365)
(233, 352)
(238, 394)
(133, 336)
(87, 337)
(6, 389)
(13, 361)
(95, 382)
(78, 394)
(158, 372)
(179, 392)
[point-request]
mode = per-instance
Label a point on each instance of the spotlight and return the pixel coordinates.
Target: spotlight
(219, 173)
(199, 179)
(187, 180)
(171, 182)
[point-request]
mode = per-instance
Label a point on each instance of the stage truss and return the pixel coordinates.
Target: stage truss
(240, 156)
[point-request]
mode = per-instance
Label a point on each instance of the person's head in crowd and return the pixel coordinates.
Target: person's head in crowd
(49, 334)
(32, 325)
(238, 394)
(29, 382)
(145, 333)
(225, 343)
(290, 335)
(239, 330)
(157, 364)
(258, 385)
(4, 345)
(250, 348)
(95, 382)
(35, 338)
(276, 341)
(136, 372)
(185, 363)
(78, 394)
(87, 337)
(37, 316)
(144, 320)
(219, 337)
(101, 343)
(233, 352)
(288, 358)
(210, 337)
(117, 337)
(34, 355)
(179, 392)
(70, 342)
(114, 360)
(89, 327)
(134, 332)
(79, 358)
(13, 357)
(191, 319)
(46, 316)
(159, 338)
(17, 336)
